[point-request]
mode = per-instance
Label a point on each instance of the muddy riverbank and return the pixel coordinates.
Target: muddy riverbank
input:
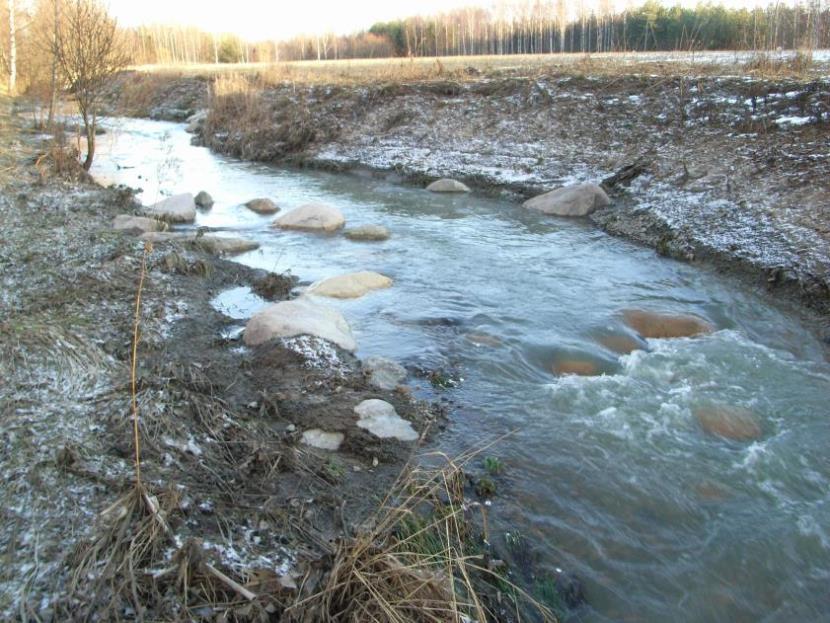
(222, 455)
(735, 168)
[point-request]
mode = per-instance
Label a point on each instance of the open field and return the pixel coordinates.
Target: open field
(775, 63)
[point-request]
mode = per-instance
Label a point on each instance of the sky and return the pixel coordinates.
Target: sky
(277, 19)
(282, 19)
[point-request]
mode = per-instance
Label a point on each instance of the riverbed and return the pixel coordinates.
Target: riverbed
(609, 477)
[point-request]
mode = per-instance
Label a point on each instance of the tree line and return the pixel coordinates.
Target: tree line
(514, 27)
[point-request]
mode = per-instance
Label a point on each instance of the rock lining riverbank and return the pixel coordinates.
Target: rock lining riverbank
(729, 179)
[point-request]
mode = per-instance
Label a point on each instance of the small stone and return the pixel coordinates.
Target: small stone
(367, 233)
(203, 200)
(291, 428)
(380, 418)
(262, 205)
(384, 373)
(322, 440)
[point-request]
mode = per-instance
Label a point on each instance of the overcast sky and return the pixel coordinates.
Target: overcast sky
(280, 19)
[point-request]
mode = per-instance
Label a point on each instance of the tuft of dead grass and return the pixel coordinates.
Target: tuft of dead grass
(419, 559)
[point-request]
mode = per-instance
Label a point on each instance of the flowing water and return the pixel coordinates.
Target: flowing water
(611, 477)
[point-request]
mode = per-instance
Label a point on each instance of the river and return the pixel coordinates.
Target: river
(609, 477)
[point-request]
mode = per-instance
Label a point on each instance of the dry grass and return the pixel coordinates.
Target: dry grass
(421, 559)
(373, 71)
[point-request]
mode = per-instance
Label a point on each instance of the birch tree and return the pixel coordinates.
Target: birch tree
(12, 50)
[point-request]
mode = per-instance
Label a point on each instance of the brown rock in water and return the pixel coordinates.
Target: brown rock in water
(621, 343)
(655, 325)
(730, 422)
(262, 206)
(578, 367)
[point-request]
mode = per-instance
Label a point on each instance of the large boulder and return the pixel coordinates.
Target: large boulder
(175, 209)
(367, 233)
(656, 325)
(262, 205)
(350, 285)
(203, 200)
(301, 316)
(730, 422)
(447, 185)
(579, 200)
(384, 373)
(312, 217)
(127, 222)
(380, 418)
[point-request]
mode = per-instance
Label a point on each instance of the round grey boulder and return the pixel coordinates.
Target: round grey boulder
(312, 217)
(175, 209)
(447, 185)
(579, 200)
(300, 316)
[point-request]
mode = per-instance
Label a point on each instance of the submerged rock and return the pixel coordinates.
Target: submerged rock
(480, 338)
(384, 373)
(317, 438)
(350, 285)
(126, 222)
(656, 325)
(367, 233)
(175, 209)
(447, 185)
(621, 343)
(579, 200)
(203, 200)
(299, 317)
(262, 205)
(312, 217)
(380, 418)
(731, 422)
(577, 367)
